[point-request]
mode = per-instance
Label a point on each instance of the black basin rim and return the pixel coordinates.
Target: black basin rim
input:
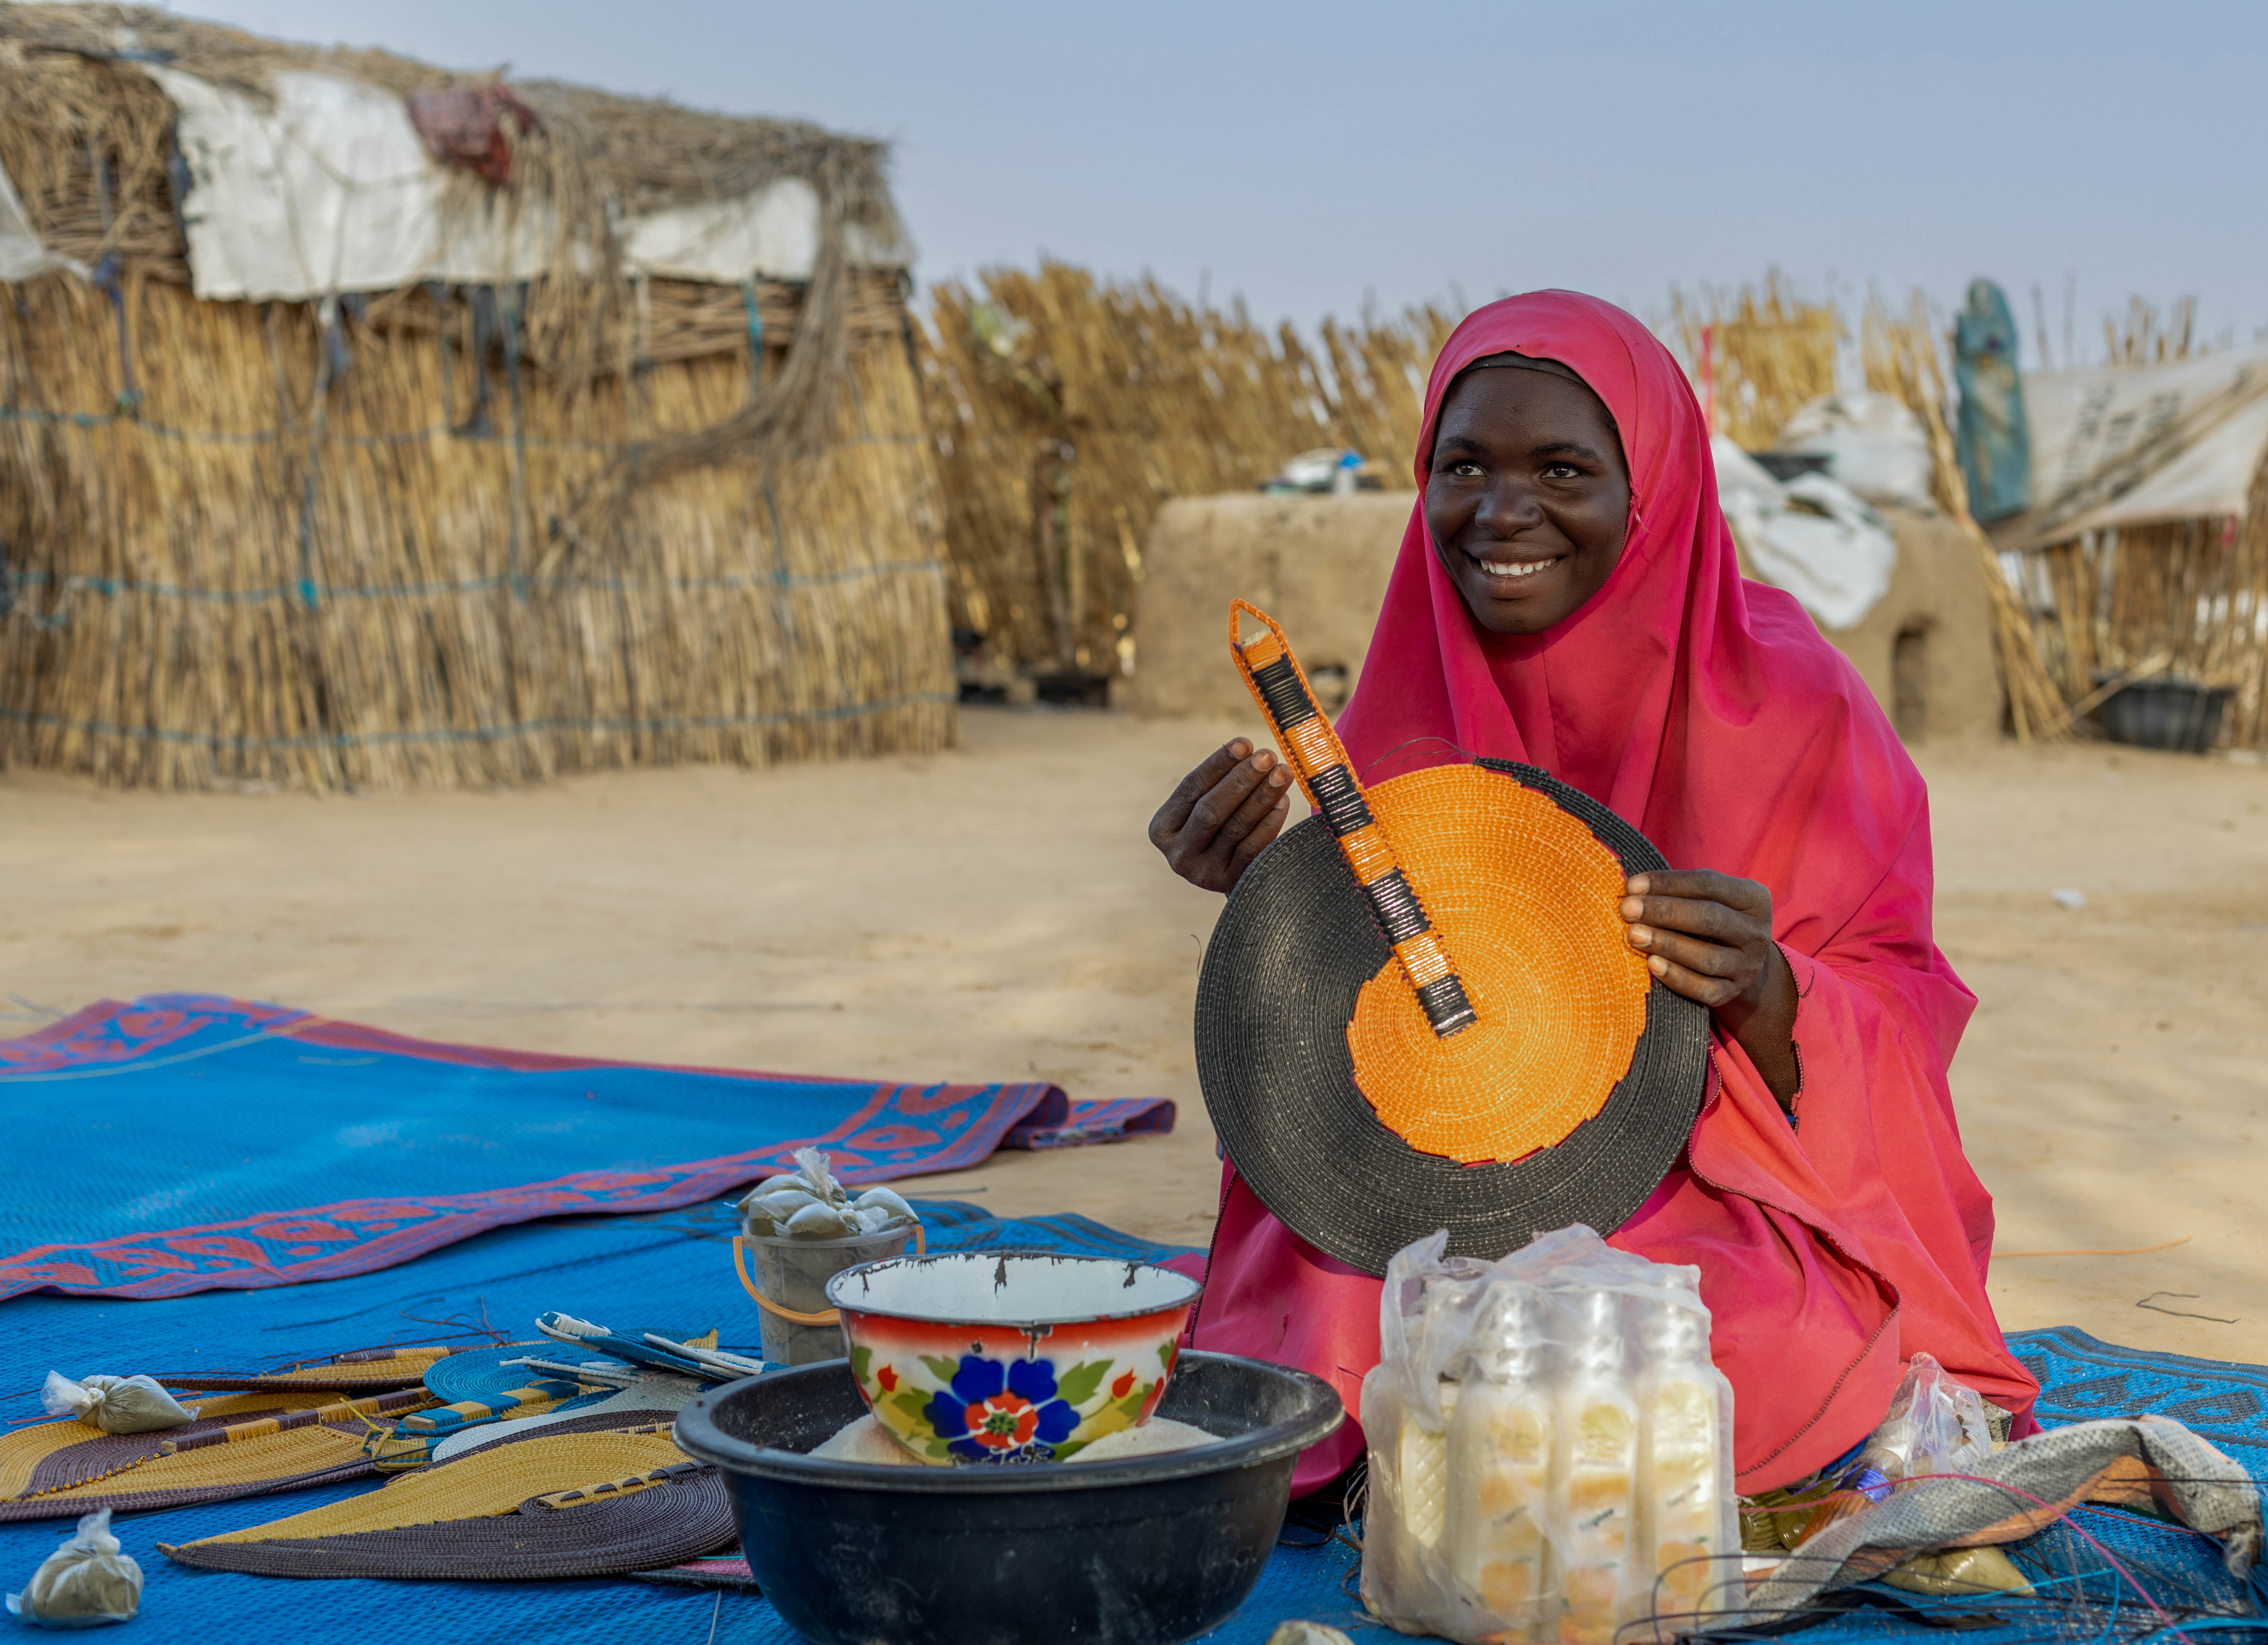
(1030, 1322)
(698, 1437)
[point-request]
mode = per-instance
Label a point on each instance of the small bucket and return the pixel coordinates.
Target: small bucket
(791, 1287)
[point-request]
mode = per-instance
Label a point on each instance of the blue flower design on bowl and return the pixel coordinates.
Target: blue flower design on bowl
(995, 1413)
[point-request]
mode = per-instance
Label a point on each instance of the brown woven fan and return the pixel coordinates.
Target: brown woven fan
(569, 1501)
(241, 1445)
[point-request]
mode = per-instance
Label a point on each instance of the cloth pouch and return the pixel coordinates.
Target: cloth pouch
(87, 1582)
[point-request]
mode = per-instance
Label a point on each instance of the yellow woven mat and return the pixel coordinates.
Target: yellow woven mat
(22, 1450)
(487, 1482)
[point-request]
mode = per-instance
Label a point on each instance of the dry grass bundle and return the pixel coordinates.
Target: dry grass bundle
(1067, 411)
(1901, 359)
(317, 557)
(1766, 354)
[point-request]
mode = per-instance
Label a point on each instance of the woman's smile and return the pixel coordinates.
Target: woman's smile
(1509, 570)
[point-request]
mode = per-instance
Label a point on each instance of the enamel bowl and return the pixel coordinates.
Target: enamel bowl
(1010, 1356)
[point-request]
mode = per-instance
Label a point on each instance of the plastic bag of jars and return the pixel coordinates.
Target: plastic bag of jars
(1550, 1449)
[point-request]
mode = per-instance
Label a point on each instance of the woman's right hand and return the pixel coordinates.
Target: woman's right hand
(1224, 814)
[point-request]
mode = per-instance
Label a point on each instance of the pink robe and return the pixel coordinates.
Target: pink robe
(1708, 712)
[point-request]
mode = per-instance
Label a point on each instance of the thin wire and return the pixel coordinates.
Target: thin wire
(716, 1615)
(2128, 1250)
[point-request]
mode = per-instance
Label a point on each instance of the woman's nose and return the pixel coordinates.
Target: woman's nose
(1508, 507)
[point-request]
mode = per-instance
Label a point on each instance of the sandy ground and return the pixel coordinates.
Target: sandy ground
(996, 913)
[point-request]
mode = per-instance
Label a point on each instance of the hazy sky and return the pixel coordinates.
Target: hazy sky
(1314, 156)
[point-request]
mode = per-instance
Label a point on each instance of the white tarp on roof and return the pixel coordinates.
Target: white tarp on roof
(1813, 536)
(21, 253)
(332, 190)
(2128, 444)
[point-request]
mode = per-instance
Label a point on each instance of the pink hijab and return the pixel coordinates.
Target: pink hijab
(1708, 711)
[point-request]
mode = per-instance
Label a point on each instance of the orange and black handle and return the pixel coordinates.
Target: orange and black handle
(1319, 760)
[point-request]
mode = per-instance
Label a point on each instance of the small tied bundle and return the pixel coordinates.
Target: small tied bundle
(116, 1404)
(87, 1582)
(807, 1203)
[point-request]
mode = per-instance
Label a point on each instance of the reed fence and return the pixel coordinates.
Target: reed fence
(1068, 410)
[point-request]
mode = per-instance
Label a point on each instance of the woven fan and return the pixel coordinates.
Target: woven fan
(569, 1502)
(366, 1370)
(245, 1445)
(1419, 1011)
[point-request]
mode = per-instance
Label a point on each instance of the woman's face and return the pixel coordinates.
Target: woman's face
(1527, 498)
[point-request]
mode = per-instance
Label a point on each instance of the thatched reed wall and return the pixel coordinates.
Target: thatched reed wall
(1067, 411)
(326, 558)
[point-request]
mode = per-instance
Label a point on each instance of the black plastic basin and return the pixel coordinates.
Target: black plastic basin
(1141, 1552)
(2179, 715)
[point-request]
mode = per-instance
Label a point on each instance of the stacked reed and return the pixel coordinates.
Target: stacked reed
(1067, 411)
(453, 536)
(1757, 355)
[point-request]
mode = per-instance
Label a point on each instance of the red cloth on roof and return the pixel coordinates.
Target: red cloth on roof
(1708, 712)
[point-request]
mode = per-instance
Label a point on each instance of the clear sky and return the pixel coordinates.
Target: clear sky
(1314, 156)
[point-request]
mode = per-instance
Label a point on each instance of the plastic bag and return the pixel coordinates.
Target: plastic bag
(116, 1404)
(87, 1582)
(1550, 1449)
(1935, 1425)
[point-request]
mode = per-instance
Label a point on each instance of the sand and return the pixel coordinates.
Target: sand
(996, 913)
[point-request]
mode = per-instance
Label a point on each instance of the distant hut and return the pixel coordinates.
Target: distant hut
(365, 423)
(2144, 553)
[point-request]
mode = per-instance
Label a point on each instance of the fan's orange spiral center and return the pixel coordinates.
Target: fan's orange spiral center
(1525, 898)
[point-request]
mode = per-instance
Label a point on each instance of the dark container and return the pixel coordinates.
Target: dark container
(1141, 1552)
(2179, 715)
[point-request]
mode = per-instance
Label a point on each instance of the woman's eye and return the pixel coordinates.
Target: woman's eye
(1562, 471)
(1467, 471)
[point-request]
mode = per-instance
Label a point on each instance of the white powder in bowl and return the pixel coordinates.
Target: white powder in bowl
(866, 1439)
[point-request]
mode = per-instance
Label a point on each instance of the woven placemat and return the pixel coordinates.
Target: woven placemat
(1283, 979)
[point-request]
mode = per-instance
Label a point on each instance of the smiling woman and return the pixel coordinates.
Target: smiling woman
(1528, 500)
(1567, 597)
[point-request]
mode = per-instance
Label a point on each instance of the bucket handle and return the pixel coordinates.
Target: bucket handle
(823, 1317)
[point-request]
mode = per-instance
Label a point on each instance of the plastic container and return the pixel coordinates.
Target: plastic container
(1139, 1551)
(792, 1275)
(2179, 715)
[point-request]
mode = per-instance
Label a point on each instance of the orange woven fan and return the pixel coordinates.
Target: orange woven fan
(1419, 1010)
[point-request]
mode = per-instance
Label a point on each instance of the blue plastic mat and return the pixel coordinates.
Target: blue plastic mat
(672, 1272)
(182, 1143)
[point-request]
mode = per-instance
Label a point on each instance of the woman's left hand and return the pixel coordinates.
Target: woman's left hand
(1708, 936)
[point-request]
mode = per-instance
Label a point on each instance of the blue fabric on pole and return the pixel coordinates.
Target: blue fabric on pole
(1994, 435)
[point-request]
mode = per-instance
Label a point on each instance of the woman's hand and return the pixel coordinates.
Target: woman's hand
(1224, 814)
(1708, 936)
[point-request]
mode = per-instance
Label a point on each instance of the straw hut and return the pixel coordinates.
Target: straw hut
(364, 423)
(2144, 553)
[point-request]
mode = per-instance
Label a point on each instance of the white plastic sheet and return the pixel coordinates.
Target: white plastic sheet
(1873, 444)
(331, 190)
(1813, 537)
(2128, 444)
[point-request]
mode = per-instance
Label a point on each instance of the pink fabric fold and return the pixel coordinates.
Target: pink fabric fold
(1708, 712)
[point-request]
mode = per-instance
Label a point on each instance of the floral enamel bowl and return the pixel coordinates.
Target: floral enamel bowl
(1010, 1356)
